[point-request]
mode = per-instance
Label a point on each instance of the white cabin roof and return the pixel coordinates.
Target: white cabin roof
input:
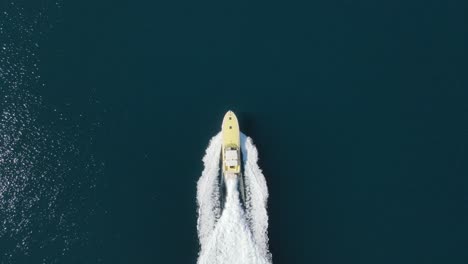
(231, 163)
(231, 154)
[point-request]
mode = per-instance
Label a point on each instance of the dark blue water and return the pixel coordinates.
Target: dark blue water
(358, 110)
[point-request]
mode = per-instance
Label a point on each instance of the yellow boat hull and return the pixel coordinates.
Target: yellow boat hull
(231, 142)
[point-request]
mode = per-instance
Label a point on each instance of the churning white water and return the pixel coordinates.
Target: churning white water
(234, 235)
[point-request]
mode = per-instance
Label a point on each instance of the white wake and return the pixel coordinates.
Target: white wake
(233, 235)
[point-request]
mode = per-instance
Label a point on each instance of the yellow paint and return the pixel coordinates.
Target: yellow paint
(231, 139)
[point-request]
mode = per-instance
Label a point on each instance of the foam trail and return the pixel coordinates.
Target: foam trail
(256, 194)
(209, 208)
(234, 235)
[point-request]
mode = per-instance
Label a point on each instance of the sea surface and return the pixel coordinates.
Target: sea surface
(358, 110)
